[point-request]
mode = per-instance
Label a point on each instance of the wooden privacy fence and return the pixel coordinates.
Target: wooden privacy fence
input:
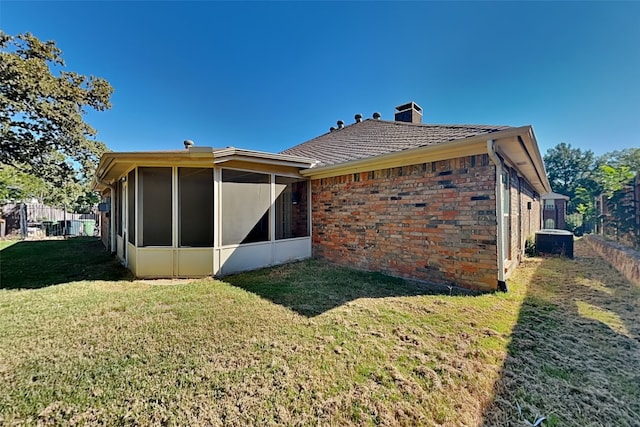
(38, 220)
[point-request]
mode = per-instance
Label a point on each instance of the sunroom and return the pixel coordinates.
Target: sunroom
(204, 211)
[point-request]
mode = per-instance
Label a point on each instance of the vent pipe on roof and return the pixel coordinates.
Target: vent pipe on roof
(376, 116)
(188, 143)
(340, 124)
(358, 118)
(332, 129)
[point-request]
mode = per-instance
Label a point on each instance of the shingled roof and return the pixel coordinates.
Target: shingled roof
(371, 138)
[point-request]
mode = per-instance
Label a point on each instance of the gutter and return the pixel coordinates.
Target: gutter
(491, 150)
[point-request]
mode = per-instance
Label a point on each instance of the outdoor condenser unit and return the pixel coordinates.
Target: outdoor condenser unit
(559, 242)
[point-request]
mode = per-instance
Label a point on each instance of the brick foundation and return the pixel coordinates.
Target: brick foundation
(623, 259)
(525, 218)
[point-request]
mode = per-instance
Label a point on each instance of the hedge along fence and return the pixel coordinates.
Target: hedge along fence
(625, 260)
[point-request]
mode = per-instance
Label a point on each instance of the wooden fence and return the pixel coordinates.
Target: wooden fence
(39, 220)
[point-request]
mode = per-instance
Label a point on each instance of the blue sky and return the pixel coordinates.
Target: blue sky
(267, 76)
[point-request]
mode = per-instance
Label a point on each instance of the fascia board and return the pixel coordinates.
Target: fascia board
(228, 154)
(263, 161)
(458, 148)
(525, 147)
(431, 153)
(539, 161)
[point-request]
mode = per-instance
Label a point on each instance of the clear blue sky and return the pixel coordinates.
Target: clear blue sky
(267, 76)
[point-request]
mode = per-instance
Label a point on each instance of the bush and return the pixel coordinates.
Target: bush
(530, 247)
(575, 224)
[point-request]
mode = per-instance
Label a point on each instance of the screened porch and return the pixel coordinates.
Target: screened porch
(192, 217)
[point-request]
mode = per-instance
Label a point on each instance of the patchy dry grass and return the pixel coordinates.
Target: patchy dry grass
(574, 356)
(314, 344)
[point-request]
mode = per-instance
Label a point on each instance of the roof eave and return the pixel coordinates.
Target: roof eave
(112, 165)
(524, 154)
(446, 150)
(231, 153)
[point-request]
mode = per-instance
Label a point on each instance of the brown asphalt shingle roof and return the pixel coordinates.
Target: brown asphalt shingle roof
(371, 138)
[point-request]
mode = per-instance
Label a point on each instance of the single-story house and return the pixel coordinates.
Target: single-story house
(449, 204)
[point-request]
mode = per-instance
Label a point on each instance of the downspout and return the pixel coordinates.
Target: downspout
(502, 284)
(112, 223)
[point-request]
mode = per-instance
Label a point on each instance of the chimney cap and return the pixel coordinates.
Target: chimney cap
(188, 143)
(409, 106)
(376, 116)
(409, 113)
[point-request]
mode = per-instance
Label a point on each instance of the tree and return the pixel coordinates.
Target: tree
(17, 186)
(570, 169)
(42, 130)
(614, 181)
(629, 157)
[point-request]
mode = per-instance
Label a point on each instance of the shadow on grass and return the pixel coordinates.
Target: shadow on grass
(575, 351)
(38, 264)
(313, 287)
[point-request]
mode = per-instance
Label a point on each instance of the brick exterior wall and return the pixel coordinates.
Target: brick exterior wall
(557, 214)
(525, 213)
(430, 221)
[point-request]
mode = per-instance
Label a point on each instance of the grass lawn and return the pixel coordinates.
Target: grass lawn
(309, 343)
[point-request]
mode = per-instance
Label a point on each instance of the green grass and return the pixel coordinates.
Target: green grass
(40, 263)
(307, 343)
(6, 243)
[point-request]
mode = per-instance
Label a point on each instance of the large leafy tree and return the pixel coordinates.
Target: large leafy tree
(16, 185)
(570, 172)
(42, 130)
(629, 158)
(583, 177)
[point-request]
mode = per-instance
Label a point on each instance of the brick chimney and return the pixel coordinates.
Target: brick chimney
(410, 113)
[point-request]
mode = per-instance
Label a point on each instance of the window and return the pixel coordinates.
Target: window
(549, 204)
(155, 207)
(549, 223)
(195, 215)
(291, 208)
(131, 207)
(246, 199)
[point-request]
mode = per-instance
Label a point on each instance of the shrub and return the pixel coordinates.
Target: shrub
(530, 247)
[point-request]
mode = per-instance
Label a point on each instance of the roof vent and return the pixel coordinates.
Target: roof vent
(340, 124)
(358, 118)
(332, 129)
(376, 116)
(188, 143)
(409, 113)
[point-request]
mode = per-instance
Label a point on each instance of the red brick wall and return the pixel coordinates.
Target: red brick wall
(524, 221)
(430, 221)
